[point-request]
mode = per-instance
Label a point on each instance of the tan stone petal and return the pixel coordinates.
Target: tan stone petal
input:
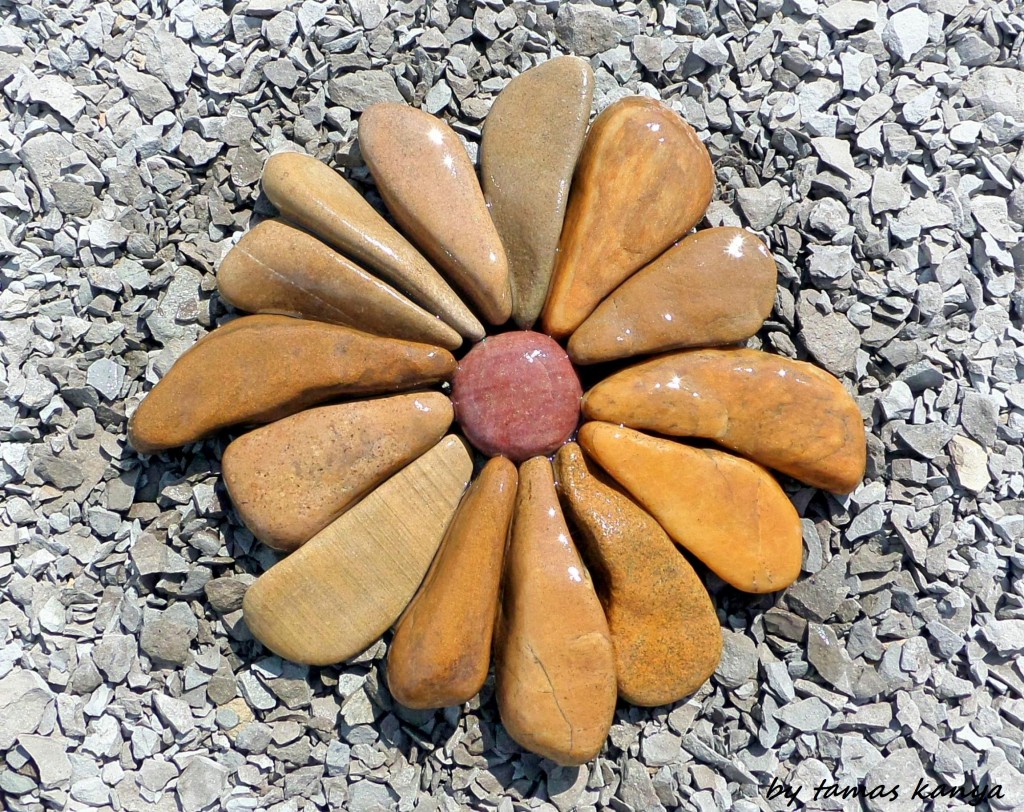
(277, 268)
(727, 511)
(714, 287)
(426, 178)
(531, 140)
(644, 179)
(312, 195)
(441, 651)
(290, 479)
(554, 661)
(257, 369)
(785, 414)
(339, 592)
(666, 634)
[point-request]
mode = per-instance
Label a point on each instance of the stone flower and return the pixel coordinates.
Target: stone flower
(560, 556)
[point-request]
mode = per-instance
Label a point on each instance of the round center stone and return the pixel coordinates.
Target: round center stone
(517, 395)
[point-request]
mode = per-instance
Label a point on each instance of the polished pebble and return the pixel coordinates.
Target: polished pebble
(258, 369)
(644, 179)
(277, 268)
(428, 182)
(784, 414)
(714, 287)
(441, 652)
(728, 512)
(290, 479)
(554, 661)
(666, 633)
(310, 194)
(338, 593)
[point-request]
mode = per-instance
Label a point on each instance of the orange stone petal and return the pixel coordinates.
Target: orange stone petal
(727, 511)
(784, 414)
(441, 651)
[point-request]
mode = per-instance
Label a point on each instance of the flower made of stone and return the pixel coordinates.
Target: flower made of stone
(568, 566)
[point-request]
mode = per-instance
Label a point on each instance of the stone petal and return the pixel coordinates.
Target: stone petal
(312, 195)
(339, 592)
(531, 140)
(277, 268)
(644, 179)
(441, 651)
(714, 287)
(664, 627)
(428, 182)
(725, 510)
(257, 369)
(788, 415)
(291, 479)
(554, 661)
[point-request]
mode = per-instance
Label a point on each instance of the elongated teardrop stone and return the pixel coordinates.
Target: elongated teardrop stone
(714, 287)
(291, 479)
(664, 628)
(644, 179)
(257, 369)
(429, 184)
(787, 415)
(277, 268)
(531, 141)
(312, 195)
(554, 661)
(441, 651)
(338, 593)
(727, 511)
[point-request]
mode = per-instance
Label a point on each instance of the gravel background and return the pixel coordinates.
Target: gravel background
(878, 147)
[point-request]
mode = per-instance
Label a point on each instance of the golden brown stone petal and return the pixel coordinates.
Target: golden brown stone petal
(531, 141)
(338, 593)
(428, 182)
(788, 415)
(714, 287)
(441, 651)
(312, 195)
(727, 511)
(290, 479)
(257, 369)
(278, 268)
(554, 660)
(666, 633)
(644, 179)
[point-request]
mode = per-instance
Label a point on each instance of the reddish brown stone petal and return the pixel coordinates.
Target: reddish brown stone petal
(441, 651)
(727, 511)
(784, 414)
(666, 634)
(258, 369)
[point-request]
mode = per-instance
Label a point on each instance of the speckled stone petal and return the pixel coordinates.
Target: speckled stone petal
(290, 479)
(428, 182)
(312, 195)
(714, 287)
(531, 141)
(664, 627)
(277, 268)
(338, 593)
(257, 369)
(727, 511)
(516, 394)
(554, 661)
(441, 651)
(787, 415)
(644, 179)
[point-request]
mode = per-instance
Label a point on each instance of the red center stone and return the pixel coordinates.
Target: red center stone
(517, 395)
